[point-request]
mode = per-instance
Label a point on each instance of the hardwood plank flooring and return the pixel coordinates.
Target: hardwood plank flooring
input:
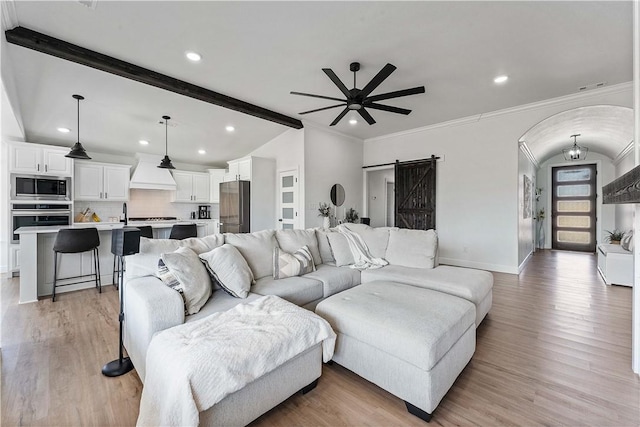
(555, 349)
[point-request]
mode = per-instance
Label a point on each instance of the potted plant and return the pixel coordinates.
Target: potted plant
(614, 236)
(351, 216)
(324, 211)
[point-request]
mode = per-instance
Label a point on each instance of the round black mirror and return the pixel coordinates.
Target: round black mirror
(337, 195)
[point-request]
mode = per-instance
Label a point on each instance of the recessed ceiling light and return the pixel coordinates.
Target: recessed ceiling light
(64, 130)
(353, 122)
(230, 128)
(193, 56)
(143, 142)
(501, 79)
(202, 152)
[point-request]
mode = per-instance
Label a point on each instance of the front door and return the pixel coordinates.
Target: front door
(573, 213)
(288, 200)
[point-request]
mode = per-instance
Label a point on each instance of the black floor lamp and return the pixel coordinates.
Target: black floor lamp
(124, 241)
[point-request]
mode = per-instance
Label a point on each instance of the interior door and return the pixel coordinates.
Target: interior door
(288, 200)
(573, 213)
(415, 185)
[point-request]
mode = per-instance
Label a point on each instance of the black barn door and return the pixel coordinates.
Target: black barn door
(416, 194)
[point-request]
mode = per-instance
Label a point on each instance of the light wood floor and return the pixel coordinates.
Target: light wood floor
(554, 350)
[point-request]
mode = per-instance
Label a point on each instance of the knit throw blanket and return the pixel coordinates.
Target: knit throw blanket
(360, 251)
(193, 366)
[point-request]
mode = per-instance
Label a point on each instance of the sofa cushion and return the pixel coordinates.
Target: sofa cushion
(257, 249)
(324, 246)
(183, 271)
(289, 265)
(145, 263)
(292, 240)
(228, 268)
(298, 290)
(412, 248)
(340, 249)
(220, 301)
(335, 279)
(376, 239)
(468, 283)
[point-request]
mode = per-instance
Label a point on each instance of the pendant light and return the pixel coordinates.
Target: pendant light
(77, 151)
(575, 152)
(166, 162)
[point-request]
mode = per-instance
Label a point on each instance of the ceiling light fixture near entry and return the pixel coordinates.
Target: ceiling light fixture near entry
(575, 152)
(193, 56)
(501, 79)
(78, 151)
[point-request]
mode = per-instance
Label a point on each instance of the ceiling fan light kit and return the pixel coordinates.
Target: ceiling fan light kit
(358, 99)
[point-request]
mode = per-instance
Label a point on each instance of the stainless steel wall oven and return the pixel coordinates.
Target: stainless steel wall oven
(38, 214)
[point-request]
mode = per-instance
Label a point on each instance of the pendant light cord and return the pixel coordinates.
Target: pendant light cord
(78, 99)
(166, 137)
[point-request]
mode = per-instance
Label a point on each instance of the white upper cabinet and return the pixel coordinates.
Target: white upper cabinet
(39, 159)
(239, 170)
(101, 181)
(191, 187)
(216, 177)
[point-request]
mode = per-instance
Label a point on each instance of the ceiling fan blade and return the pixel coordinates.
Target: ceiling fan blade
(340, 116)
(387, 108)
(316, 96)
(379, 78)
(396, 94)
(321, 109)
(365, 115)
(336, 81)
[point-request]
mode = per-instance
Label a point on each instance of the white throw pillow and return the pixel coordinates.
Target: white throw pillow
(324, 247)
(376, 239)
(257, 250)
(183, 271)
(412, 248)
(289, 265)
(228, 268)
(340, 249)
(292, 240)
(627, 241)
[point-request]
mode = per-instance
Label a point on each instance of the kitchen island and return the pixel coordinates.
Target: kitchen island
(36, 255)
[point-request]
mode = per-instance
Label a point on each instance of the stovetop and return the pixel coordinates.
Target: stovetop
(157, 218)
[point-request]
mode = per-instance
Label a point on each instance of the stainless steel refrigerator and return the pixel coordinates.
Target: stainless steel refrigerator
(235, 207)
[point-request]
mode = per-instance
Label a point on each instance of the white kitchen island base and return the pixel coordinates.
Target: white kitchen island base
(36, 258)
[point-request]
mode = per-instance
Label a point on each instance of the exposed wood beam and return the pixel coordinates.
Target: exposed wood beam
(51, 46)
(625, 189)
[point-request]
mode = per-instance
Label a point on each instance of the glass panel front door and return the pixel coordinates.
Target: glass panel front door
(574, 208)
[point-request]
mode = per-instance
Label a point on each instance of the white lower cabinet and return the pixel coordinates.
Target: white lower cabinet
(615, 265)
(14, 253)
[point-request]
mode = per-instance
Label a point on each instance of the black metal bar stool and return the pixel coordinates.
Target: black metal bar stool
(183, 231)
(145, 231)
(75, 241)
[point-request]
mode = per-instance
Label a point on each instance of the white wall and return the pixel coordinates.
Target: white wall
(376, 194)
(331, 158)
(606, 214)
(526, 226)
(624, 213)
(288, 151)
(477, 190)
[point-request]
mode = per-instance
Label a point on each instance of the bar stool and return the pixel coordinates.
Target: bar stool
(145, 231)
(183, 231)
(75, 241)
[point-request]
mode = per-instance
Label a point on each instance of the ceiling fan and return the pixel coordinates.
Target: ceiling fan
(359, 99)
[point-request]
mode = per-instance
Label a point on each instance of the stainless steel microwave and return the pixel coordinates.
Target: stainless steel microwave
(31, 187)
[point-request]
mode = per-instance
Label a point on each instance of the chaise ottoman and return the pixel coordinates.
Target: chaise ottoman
(410, 341)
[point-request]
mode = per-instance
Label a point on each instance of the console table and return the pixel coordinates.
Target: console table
(615, 265)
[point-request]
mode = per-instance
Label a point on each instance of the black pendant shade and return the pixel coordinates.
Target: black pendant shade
(166, 162)
(78, 151)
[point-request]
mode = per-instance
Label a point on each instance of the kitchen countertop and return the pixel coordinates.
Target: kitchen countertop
(106, 226)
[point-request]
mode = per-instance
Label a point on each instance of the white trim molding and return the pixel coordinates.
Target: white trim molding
(9, 15)
(527, 152)
(624, 153)
(498, 268)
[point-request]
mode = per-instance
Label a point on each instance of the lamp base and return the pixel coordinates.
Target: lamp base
(117, 367)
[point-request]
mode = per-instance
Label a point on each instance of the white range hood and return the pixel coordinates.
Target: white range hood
(148, 176)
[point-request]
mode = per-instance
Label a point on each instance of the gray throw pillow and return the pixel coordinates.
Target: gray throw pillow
(289, 265)
(183, 271)
(228, 268)
(340, 249)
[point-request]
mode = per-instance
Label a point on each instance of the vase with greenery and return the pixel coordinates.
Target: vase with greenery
(540, 221)
(614, 236)
(351, 216)
(324, 210)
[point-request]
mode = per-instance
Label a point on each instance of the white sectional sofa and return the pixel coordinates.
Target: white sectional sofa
(150, 306)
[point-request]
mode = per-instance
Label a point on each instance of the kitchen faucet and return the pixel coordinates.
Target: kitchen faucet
(124, 211)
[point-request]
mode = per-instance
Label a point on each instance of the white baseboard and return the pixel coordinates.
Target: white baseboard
(498, 268)
(524, 262)
(4, 269)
